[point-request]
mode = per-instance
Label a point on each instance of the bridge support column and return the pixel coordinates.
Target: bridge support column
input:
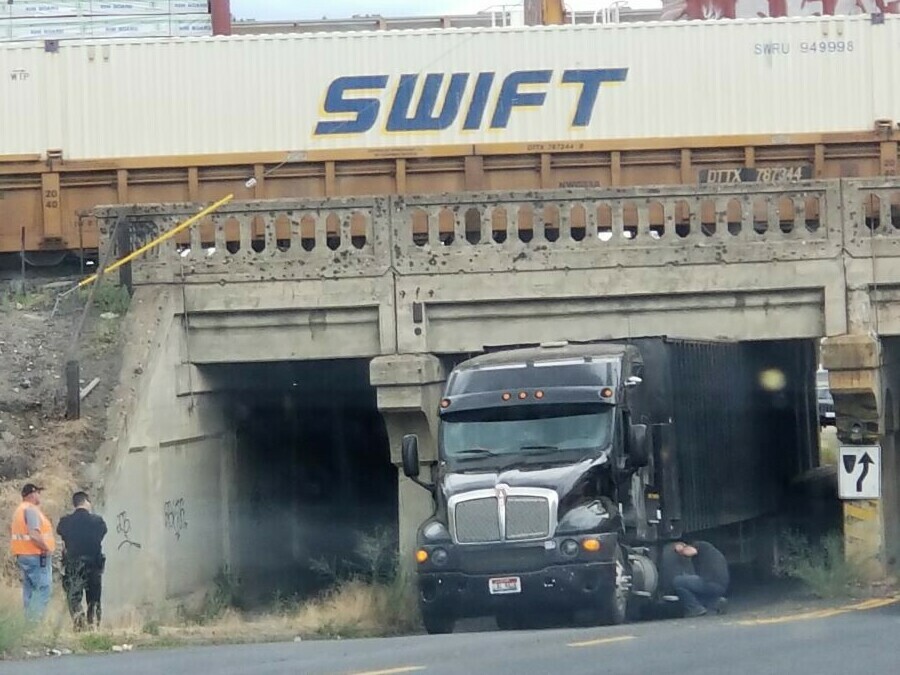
(864, 378)
(409, 388)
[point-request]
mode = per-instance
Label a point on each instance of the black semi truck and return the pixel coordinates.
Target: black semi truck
(564, 470)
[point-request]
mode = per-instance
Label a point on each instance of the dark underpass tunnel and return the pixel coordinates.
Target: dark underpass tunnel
(315, 494)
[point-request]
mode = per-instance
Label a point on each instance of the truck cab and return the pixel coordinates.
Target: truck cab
(534, 507)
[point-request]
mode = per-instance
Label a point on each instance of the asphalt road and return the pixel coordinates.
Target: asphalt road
(864, 639)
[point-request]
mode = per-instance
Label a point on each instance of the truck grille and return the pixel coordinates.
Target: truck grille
(477, 521)
(527, 518)
(480, 518)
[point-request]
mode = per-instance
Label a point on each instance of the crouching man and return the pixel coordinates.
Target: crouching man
(705, 588)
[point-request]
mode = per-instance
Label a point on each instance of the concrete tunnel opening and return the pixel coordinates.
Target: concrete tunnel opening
(314, 489)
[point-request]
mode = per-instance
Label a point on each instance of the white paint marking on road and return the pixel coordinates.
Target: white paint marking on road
(602, 641)
(875, 603)
(393, 671)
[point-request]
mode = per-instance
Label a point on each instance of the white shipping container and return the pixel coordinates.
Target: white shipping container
(138, 7)
(65, 8)
(68, 28)
(46, 29)
(46, 8)
(191, 7)
(551, 87)
(149, 26)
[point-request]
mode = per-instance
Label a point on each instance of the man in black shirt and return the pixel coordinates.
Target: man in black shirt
(672, 565)
(83, 561)
(707, 586)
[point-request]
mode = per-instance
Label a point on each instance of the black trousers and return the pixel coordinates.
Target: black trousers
(83, 580)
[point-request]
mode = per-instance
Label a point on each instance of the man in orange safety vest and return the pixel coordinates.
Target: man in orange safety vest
(32, 544)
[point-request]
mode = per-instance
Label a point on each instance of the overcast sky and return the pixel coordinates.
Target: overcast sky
(334, 9)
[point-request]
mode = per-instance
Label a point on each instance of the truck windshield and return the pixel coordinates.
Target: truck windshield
(521, 430)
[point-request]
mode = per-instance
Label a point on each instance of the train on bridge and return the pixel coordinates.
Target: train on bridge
(433, 111)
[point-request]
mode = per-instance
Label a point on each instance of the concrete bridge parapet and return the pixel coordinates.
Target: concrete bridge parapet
(257, 240)
(621, 228)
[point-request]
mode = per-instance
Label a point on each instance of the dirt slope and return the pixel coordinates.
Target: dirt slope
(37, 443)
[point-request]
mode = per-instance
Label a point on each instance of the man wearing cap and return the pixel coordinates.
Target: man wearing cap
(82, 533)
(32, 544)
(704, 584)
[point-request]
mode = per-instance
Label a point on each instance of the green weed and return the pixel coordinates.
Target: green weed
(29, 301)
(822, 567)
(151, 628)
(109, 297)
(370, 598)
(216, 602)
(96, 642)
(13, 630)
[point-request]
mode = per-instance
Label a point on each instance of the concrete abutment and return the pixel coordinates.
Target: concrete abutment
(409, 388)
(864, 378)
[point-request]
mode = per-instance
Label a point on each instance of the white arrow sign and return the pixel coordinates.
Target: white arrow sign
(859, 472)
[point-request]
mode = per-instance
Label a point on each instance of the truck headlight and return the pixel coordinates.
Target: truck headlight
(436, 531)
(569, 547)
(584, 518)
(439, 557)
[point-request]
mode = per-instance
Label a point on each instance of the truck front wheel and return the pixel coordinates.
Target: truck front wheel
(437, 623)
(614, 608)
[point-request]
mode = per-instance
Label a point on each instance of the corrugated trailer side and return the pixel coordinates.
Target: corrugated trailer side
(725, 477)
(566, 85)
(736, 443)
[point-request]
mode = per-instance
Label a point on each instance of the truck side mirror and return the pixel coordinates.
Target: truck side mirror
(409, 449)
(638, 445)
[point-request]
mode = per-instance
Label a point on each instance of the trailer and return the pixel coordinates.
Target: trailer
(565, 470)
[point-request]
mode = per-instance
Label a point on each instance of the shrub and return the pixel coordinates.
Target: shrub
(823, 567)
(13, 629)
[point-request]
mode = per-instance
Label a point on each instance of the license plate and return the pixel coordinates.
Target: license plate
(505, 585)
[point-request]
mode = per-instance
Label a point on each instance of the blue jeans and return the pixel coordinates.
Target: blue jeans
(695, 593)
(36, 584)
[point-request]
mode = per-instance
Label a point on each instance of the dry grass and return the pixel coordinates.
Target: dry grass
(354, 609)
(357, 609)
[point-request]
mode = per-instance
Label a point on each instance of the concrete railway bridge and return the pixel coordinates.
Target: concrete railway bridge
(276, 355)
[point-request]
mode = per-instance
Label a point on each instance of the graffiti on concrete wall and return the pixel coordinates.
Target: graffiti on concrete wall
(175, 517)
(123, 529)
